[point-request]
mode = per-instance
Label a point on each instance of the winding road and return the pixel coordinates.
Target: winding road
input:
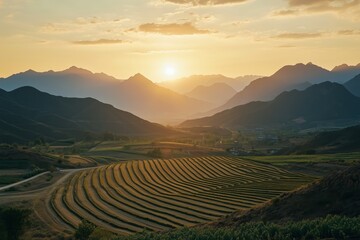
(23, 181)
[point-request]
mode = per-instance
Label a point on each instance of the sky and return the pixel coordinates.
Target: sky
(168, 39)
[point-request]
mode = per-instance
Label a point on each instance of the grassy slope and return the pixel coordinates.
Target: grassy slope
(331, 227)
(30, 163)
(335, 194)
(344, 140)
(302, 214)
(345, 158)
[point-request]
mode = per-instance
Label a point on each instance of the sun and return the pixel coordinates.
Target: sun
(169, 70)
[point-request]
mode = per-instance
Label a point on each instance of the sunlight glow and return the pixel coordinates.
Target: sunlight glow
(169, 70)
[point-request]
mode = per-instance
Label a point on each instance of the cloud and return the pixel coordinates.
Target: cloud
(205, 2)
(286, 46)
(97, 20)
(285, 12)
(150, 52)
(323, 4)
(349, 32)
(295, 36)
(99, 42)
(82, 24)
(171, 28)
(345, 8)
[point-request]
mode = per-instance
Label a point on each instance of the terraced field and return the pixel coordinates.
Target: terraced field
(162, 194)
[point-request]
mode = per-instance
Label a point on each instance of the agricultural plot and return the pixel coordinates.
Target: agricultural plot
(163, 194)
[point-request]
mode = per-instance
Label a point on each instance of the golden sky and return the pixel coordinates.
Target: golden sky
(166, 39)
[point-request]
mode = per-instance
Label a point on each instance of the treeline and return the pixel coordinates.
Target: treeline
(330, 227)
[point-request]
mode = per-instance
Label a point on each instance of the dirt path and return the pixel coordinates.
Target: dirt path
(23, 181)
(40, 198)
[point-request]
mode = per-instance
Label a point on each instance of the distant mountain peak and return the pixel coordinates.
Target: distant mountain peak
(298, 67)
(340, 67)
(138, 75)
(77, 70)
(30, 71)
(139, 78)
(345, 67)
(74, 68)
(25, 90)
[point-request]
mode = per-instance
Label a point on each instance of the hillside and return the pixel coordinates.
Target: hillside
(353, 85)
(137, 94)
(344, 140)
(163, 194)
(336, 194)
(324, 102)
(27, 114)
(17, 158)
(146, 99)
(287, 78)
(184, 85)
(217, 94)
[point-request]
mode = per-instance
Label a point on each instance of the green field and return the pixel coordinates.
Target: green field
(337, 158)
(163, 194)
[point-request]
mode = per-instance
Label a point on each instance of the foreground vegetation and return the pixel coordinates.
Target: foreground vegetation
(330, 227)
(13, 222)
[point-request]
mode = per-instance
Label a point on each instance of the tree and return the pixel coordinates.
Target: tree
(84, 230)
(156, 153)
(14, 221)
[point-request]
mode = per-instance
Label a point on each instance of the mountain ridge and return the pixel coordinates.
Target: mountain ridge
(353, 85)
(137, 94)
(27, 113)
(186, 84)
(286, 78)
(321, 102)
(217, 93)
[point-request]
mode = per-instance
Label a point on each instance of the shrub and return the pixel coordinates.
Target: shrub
(156, 153)
(84, 230)
(13, 222)
(333, 227)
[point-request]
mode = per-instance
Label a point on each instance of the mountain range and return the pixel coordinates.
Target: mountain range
(27, 113)
(299, 76)
(324, 102)
(201, 95)
(185, 85)
(137, 94)
(217, 93)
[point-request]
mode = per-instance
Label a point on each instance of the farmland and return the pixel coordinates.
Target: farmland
(163, 194)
